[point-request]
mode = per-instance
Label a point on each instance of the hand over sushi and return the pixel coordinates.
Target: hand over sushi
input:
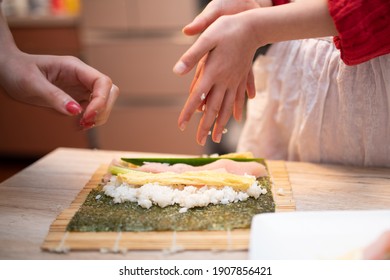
(62, 83)
(243, 81)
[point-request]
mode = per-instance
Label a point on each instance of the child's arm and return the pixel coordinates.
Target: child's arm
(230, 44)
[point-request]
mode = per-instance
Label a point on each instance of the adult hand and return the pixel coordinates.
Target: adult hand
(63, 83)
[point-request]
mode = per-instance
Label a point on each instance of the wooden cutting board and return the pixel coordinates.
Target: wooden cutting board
(59, 240)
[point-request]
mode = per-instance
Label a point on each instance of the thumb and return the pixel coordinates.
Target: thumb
(201, 22)
(193, 55)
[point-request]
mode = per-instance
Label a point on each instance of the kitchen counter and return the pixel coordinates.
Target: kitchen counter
(31, 200)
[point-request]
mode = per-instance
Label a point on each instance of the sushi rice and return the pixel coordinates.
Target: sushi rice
(186, 197)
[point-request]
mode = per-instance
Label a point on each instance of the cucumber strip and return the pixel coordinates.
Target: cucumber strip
(190, 161)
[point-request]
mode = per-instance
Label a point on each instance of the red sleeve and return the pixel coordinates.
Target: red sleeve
(280, 2)
(363, 27)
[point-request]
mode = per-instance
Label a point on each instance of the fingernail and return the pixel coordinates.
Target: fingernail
(73, 108)
(183, 125)
(218, 138)
(179, 68)
(203, 141)
(90, 118)
(87, 125)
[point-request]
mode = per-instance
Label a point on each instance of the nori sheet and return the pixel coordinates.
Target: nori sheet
(103, 215)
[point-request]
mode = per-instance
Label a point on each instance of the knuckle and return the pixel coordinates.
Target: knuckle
(25, 80)
(212, 110)
(72, 59)
(106, 79)
(204, 129)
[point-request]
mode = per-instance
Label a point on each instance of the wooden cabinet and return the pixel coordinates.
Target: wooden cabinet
(138, 15)
(57, 35)
(28, 131)
(141, 66)
(137, 43)
(147, 127)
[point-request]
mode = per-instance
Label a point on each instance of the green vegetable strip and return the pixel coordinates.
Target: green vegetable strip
(190, 161)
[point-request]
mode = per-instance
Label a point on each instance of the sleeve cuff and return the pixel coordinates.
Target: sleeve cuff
(363, 28)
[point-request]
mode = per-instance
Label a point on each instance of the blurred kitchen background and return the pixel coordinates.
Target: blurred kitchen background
(136, 43)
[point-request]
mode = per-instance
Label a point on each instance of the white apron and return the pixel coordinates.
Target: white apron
(312, 107)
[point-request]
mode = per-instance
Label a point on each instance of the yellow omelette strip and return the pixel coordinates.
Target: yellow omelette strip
(237, 155)
(196, 178)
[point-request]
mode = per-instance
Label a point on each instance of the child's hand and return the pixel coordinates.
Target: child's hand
(210, 14)
(215, 9)
(224, 51)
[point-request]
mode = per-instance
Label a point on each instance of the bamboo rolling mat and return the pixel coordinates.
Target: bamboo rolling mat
(59, 240)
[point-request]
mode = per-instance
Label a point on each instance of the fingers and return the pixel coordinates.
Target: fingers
(101, 94)
(213, 106)
(250, 85)
(33, 83)
(198, 73)
(239, 102)
(94, 90)
(103, 115)
(202, 21)
(218, 101)
(223, 116)
(100, 106)
(44, 93)
(98, 101)
(218, 106)
(194, 54)
(194, 101)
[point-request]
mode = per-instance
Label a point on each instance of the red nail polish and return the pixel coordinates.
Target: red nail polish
(90, 117)
(73, 108)
(87, 125)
